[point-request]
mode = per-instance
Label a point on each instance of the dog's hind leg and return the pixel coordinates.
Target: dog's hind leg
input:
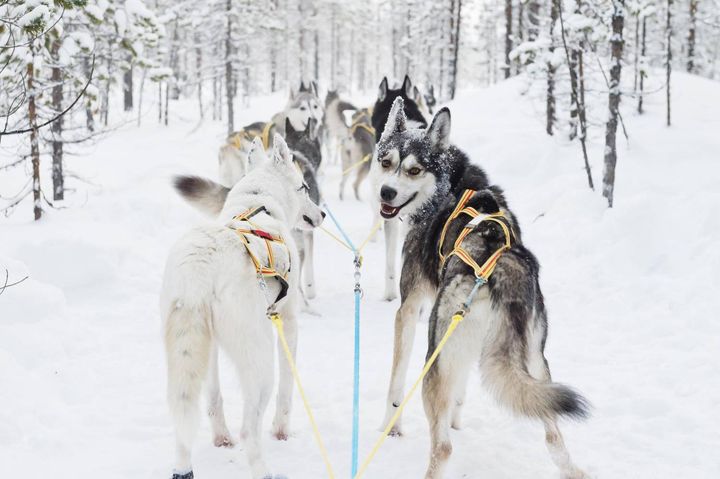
(285, 385)
(255, 365)
(308, 266)
(362, 173)
(538, 368)
(463, 371)
(187, 346)
(216, 412)
(392, 230)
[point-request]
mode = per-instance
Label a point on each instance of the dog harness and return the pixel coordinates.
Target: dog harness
(252, 236)
(482, 272)
(249, 134)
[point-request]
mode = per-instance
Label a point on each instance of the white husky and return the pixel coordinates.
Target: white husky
(211, 296)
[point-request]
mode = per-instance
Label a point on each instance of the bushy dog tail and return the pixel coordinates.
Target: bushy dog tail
(187, 346)
(505, 373)
(205, 195)
(525, 395)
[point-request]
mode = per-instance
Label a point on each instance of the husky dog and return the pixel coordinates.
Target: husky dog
(305, 149)
(301, 107)
(415, 118)
(211, 297)
(334, 124)
(357, 150)
(430, 100)
(504, 331)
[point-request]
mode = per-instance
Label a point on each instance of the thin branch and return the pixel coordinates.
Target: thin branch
(8, 285)
(80, 95)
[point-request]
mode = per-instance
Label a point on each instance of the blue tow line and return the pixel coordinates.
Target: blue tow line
(356, 365)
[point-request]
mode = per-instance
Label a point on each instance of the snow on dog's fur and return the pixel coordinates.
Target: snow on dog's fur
(211, 298)
(422, 177)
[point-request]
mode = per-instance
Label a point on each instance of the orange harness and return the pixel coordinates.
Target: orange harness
(481, 272)
(245, 235)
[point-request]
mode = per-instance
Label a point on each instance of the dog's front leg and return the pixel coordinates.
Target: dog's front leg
(405, 324)
(392, 229)
(308, 264)
(285, 385)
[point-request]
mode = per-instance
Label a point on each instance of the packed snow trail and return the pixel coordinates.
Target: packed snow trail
(631, 294)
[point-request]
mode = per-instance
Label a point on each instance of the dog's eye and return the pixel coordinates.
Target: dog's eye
(386, 163)
(305, 187)
(302, 108)
(414, 171)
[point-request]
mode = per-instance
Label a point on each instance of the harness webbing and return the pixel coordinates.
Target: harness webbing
(237, 138)
(261, 269)
(481, 271)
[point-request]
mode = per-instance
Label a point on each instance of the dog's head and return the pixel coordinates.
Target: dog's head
(280, 170)
(303, 105)
(411, 166)
(305, 148)
(331, 96)
(430, 99)
(386, 98)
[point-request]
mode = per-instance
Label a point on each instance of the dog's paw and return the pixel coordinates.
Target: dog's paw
(575, 473)
(390, 296)
(280, 435)
(223, 440)
(310, 291)
(274, 476)
(395, 432)
(311, 311)
(187, 475)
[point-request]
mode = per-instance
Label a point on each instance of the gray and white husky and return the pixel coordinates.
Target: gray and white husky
(504, 331)
(302, 106)
(211, 298)
(415, 118)
(334, 124)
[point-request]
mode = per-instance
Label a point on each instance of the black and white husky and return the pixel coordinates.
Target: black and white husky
(414, 118)
(504, 330)
(306, 151)
(211, 297)
(302, 106)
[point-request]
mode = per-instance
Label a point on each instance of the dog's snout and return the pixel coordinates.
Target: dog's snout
(323, 214)
(387, 193)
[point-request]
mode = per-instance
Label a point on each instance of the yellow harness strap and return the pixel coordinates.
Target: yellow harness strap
(362, 125)
(364, 159)
(237, 138)
(244, 233)
(488, 267)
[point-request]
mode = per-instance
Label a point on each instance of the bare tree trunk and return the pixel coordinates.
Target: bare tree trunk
(199, 73)
(616, 48)
(455, 25)
(89, 117)
(668, 62)
(34, 136)
(691, 36)
(533, 20)
(550, 103)
(128, 86)
(333, 49)
(642, 70)
(637, 51)
(316, 44)
(508, 36)
(520, 29)
(228, 70)
(167, 102)
(577, 92)
(57, 125)
(140, 95)
(160, 101)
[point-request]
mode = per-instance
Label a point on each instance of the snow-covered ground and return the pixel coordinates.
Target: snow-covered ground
(632, 294)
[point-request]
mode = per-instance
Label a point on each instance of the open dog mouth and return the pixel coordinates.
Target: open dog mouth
(387, 211)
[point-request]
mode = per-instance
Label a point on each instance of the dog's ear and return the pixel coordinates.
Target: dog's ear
(439, 130)
(203, 194)
(256, 154)
(314, 88)
(302, 86)
(396, 121)
(281, 152)
(382, 92)
(431, 90)
(416, 94)
(407, 87)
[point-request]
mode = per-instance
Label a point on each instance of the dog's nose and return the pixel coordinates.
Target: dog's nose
(323, 214)
(387, 193)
